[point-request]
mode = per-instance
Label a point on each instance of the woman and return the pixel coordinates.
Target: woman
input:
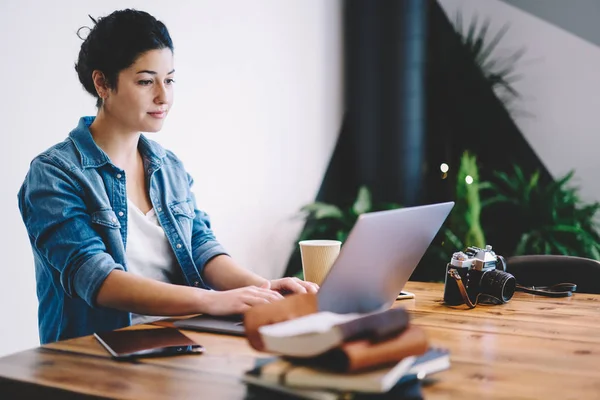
(112, 221)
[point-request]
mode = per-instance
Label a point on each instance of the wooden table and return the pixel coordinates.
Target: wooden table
(533, 347)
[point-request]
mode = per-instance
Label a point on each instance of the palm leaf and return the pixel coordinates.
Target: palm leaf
(487, 50)
(318, 210)
(482, 46)
(363, 201)
(549, 217)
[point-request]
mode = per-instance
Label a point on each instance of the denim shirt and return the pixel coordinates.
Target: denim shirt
(74, 205)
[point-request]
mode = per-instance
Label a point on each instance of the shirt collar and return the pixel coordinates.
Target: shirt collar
(93, 156)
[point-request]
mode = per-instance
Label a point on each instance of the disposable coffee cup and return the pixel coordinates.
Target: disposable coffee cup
(317, 258)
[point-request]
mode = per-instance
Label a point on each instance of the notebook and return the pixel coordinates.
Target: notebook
(316, 333)
(373, 381)
(407, 374)
(156, 342)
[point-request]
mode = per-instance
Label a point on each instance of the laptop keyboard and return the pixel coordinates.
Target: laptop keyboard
(233, 317)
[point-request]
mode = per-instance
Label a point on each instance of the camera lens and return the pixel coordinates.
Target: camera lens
(498, 284)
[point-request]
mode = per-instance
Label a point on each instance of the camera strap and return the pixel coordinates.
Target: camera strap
(558, 290)
(488, 299)
(461, 287)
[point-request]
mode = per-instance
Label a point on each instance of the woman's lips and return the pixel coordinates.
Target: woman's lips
(158, 114)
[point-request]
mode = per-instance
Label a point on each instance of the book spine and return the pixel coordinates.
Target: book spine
(376, 327)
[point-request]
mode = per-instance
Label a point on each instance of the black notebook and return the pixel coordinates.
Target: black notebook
(155, 342)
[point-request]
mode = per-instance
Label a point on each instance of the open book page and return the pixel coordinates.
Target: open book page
(306, 336)
(312, 323)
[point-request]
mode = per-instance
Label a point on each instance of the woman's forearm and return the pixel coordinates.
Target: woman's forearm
(128, 292)
(223, 273)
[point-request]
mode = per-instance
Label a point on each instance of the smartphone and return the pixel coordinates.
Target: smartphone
(135, 343)
(405, 295)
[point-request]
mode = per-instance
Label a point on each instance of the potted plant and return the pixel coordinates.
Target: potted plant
(330, 221)
(544, 218)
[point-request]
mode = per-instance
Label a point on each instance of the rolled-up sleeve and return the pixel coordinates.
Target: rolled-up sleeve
(60, 229)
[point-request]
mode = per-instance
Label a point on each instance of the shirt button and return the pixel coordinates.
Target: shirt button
(121, 213)
(113, 219)
(159, 209)
(119, 176)
(178, 245)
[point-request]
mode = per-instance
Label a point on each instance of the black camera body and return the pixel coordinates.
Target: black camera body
(483, 276)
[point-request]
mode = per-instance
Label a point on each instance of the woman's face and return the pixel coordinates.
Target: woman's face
(144, 92)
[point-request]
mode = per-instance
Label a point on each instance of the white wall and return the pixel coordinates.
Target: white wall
(560, 85)
(256, 116)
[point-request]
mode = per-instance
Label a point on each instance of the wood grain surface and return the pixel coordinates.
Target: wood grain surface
(530, 348)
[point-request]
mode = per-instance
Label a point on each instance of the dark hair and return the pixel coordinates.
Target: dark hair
(115, 42)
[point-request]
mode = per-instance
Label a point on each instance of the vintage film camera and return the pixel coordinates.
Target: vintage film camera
(477, 275)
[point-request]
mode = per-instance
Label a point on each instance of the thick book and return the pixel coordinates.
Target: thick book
(362, 354)
(274, 374)
(436, 359)
(314, 334)
(260, 389)
(378, 380)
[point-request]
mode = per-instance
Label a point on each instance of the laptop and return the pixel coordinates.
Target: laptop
(375, 262)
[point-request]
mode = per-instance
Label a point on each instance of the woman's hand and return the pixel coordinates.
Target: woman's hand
(237, 301)
(293, 285)
(266, 314)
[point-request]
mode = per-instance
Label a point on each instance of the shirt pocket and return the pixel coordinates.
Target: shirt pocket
(106, 218)
(183, 211)
(107, 225)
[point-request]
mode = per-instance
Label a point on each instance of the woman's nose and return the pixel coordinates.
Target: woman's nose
(161, 95)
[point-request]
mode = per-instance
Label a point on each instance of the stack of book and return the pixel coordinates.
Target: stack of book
(393, 381)
(329, 356)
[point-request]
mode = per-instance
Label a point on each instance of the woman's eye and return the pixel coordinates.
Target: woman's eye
(170, 81)
(145, 82)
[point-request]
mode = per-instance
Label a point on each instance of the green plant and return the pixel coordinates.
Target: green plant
(330, 221)
(467, 212)
(482, 46)
(546, 218)
(463, 226)
(326, 221)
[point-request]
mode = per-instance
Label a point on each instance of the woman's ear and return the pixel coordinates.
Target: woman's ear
(100, 84)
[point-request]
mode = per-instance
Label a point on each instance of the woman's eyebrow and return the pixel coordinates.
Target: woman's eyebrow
(146, 71)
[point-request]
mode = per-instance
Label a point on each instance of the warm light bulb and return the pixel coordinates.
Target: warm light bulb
(444, 167)
(469, 179)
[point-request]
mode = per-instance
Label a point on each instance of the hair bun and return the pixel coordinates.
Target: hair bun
(80, 36)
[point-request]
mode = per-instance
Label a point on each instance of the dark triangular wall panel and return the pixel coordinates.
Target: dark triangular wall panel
(414, 99)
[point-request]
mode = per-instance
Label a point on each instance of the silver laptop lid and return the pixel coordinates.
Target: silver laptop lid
(380, 254)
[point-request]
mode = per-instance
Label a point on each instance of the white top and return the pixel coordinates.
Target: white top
(148, 252)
